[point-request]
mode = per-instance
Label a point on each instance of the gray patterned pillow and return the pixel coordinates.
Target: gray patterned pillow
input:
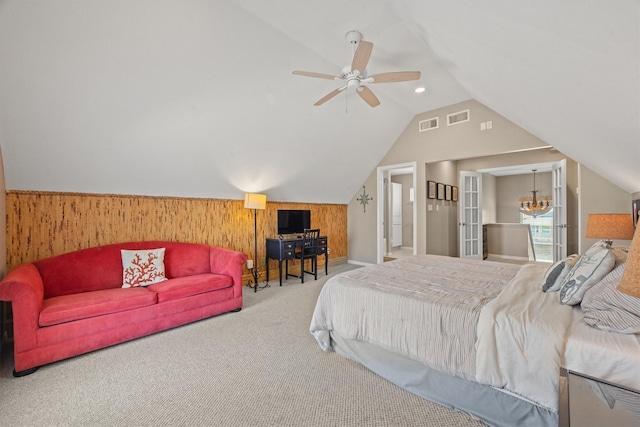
(589, 270)
(606, 308)
(555, 274)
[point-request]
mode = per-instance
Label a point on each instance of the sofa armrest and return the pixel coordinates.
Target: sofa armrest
(23, 287)
(228, 262)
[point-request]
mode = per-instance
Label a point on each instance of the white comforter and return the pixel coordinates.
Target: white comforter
(424, 308)
(507, 333)
(521, 339)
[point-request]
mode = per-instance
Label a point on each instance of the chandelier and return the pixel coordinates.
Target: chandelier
(531, 205)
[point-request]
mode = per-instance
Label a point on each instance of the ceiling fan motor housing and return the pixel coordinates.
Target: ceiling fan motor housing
(354, 36)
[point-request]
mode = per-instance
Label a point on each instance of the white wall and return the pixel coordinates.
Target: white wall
(598, 195)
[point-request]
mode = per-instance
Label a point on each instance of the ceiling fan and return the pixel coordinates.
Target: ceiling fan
(356, 75)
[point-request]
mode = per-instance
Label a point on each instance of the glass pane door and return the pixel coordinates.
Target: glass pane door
(470, 215)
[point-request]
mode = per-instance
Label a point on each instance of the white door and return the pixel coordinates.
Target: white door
(396, 214)
(559, 184)
(470, 203)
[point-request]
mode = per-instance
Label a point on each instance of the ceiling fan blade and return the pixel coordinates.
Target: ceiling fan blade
(398, 76)
(329, 96)
(317, 75)
(361, 57)
(368, 96)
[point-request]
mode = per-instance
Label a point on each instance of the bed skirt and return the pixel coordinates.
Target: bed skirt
(490, 405)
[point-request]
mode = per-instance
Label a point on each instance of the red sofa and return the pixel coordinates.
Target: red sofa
(74, 303)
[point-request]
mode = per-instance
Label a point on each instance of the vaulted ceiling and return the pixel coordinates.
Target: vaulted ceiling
(196, 98)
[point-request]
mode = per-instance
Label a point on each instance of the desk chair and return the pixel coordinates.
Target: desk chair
(309, 250)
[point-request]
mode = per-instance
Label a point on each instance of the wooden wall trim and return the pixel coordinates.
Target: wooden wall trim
(41, 224)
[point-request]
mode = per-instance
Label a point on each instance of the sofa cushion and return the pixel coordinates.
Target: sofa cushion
(100, 267)
(72, 307)
(142, 267)
(182, 287)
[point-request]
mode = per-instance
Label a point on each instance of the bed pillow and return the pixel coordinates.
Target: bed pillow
(606, 308)
(142, 267)
(620, 253)
(589, 270)
(556, 273)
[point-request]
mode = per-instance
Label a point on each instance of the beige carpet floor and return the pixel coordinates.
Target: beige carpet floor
(257, 367)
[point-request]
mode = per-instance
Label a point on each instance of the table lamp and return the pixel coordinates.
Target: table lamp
(609, 227)
(630, 283)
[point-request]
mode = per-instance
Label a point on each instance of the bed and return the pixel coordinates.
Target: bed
(476, 336)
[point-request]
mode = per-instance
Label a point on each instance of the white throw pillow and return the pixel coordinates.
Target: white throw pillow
(589, 270)
(142, 267)
(556, 273)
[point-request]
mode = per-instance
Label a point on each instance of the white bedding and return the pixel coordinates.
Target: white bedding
(521, 339)
(424, 308)
(519, 342)
(610, 356)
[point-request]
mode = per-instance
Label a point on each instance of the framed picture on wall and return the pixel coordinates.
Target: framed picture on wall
(431, 189)
(635, 207)
(440, 191)
(447, 192)
(454, 193)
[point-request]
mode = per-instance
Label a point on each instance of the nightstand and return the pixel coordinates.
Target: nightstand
(591, 402)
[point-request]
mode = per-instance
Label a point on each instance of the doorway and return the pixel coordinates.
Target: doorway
(393, 243)
(547, 233)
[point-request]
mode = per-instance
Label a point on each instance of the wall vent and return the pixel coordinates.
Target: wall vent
(425, 125)
(457, 118)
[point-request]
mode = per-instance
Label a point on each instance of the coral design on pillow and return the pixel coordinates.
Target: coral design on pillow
(142, 268)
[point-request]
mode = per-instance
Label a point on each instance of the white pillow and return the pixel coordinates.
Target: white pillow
(606, 308)
(556, 273)
(589, 270)
(142, 267)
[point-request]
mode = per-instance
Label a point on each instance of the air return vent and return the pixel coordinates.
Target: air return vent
(425, 125)
(457, 118)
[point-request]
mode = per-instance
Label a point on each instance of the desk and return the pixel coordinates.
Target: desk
(285, 249)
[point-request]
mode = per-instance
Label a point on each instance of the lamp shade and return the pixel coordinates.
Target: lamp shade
(610, 226)
(255, 201)
(630, 283)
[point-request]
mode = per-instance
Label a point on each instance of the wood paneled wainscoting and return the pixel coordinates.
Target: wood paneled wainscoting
(43, 224)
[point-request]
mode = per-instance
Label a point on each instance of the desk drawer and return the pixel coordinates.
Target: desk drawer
(322, 246)
(288, 250)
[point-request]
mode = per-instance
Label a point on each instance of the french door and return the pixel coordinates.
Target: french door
(559, 200)
(470, 214)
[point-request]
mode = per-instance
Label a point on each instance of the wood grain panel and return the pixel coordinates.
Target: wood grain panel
(43, 224)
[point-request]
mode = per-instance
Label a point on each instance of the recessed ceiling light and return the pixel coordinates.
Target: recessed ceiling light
(419, 90)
